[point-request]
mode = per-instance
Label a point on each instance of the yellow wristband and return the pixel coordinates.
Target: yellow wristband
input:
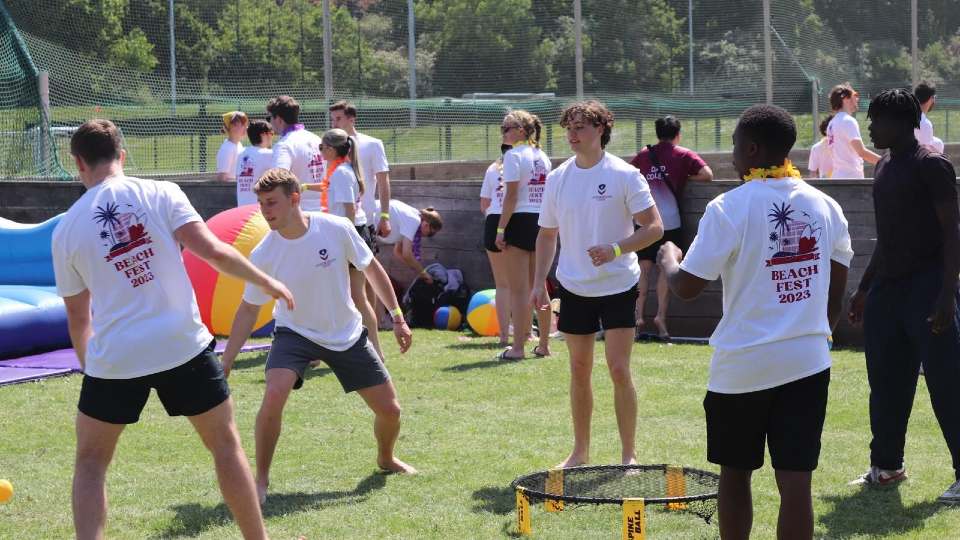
(397, 312)
(616, 250)
(500, 230)
(385, 215)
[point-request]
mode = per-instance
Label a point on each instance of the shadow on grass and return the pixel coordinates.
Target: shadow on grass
(253, 361)
(193, 519)
(482, 364)
(469, 345)
(494, 499)
(874, 512)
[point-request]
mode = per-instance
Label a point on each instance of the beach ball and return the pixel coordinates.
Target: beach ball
(447, 318)
(482, 313)
(219, 295)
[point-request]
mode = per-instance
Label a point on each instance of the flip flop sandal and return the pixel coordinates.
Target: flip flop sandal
(504, 357)
(536, 352)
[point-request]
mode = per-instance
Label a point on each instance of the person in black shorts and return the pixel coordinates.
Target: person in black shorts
(525, 169)
(782, 249)
(491, 204)
(135, 325)
(591, 203)
(313, 252)
(667, 167)
(907, 298)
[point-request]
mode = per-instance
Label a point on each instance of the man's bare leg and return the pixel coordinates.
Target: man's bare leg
(218, 431)
(96, 442)
(280, 382)
(581, 396)
(735, 504)
(619, 342)
(358, 293)
(544, 316)
(382, 400)
(663, 301)
(796, 505)
(642, 286)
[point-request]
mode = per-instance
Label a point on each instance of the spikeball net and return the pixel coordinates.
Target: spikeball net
(634, 487)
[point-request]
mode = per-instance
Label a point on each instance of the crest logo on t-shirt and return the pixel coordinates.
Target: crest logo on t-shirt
(792, 240)
(602, 193)
(325, 260)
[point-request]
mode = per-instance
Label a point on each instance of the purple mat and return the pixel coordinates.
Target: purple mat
(64, 362)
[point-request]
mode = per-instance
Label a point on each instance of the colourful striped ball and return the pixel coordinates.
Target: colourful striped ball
(482, 313)
(447, 318)
(219, 295)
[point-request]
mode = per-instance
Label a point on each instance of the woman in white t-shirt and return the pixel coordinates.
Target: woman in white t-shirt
(340, 193)
(525, 169)
(409, 227)
(491, 204)
(235, 127)
(820, 163)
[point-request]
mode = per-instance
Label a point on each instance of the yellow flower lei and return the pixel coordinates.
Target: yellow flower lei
(787, 170)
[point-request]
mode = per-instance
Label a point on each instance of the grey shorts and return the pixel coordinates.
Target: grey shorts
(356, 368)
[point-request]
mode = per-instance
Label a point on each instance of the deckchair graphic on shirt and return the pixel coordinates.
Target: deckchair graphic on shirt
(121, 231)
(792, 240)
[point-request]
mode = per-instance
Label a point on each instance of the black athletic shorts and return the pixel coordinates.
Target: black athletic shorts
(588, 314)
(189, 389)
(649, 253)
(788, 417)
(522, 231)
(356, 368)
(490, 233)
(369, 235)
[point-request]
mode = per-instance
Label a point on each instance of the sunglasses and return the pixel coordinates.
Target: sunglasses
(505, 129)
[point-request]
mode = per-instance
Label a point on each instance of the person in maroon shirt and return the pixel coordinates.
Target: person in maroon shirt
(667, 166)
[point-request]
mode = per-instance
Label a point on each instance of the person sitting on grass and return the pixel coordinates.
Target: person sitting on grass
(770, 241)
(314, 252)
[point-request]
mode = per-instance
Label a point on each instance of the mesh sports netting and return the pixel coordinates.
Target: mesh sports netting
(678, 488)
(701, 60)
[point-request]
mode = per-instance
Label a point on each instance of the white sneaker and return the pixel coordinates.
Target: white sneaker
(877, 477)
(951, 495)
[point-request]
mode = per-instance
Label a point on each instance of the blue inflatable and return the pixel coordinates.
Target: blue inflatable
(33, 318)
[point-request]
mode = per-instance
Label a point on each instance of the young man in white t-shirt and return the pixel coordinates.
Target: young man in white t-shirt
(135, 325)
(820, 162)
(591, 203)
(843, 135)
(254, 160)
(373, 166)
(313, 252)
(782, 250)
(926, 94)
(298, 150)
(234, 126)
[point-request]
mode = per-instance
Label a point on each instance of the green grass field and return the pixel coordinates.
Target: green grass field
(471, 426)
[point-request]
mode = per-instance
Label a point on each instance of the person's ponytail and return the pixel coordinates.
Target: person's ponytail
(355, 162)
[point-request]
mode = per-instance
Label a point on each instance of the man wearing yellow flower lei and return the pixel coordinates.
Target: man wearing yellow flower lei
(782, 250)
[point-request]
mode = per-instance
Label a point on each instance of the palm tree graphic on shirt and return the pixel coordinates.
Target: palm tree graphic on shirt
(792, 240)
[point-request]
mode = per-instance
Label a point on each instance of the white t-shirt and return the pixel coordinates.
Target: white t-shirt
(529, 166)
(117, 241)
(590, 207)
(227, 158)
(315, 269)
(404, 222)
(843, 129)
(373, 160)
(937, 145)
(253, 162)
(771, 242)
(298, 151)
(344, 189)
(493, 189)
(821, 161)
(924, 134)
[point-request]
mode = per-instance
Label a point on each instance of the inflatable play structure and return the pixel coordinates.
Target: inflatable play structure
(32, 316)
(34, 341)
